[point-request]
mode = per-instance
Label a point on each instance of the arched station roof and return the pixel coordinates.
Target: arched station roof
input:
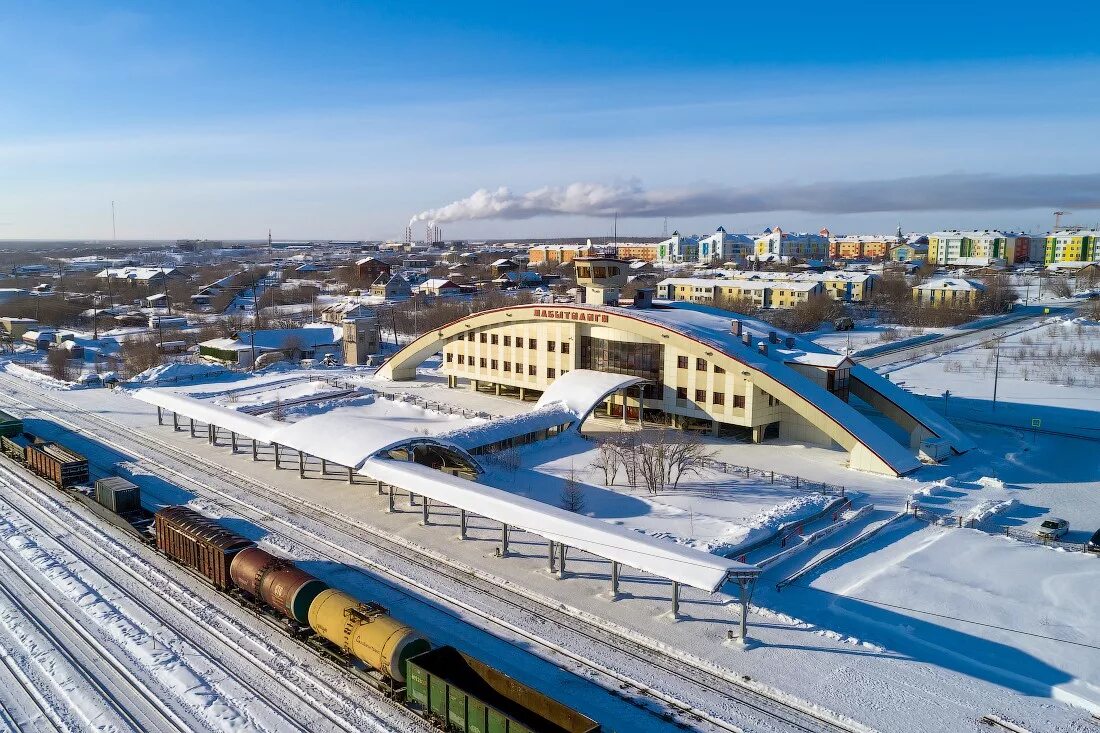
(689, 327)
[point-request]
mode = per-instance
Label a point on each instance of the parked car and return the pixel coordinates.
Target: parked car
(1053, 528)
(1093, 545)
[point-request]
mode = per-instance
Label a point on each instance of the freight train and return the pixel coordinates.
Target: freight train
(455, 690)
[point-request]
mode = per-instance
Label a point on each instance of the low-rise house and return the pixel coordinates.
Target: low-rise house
(948, 291)
(314, 341)
(369, 269)
(391, 287)
(338, 312)
(438, 287)
(525, 279)
(15, 327)
(148, 276)
(502, 266)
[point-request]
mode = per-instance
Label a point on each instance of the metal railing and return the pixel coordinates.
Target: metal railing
(797, 481)
(959, 521)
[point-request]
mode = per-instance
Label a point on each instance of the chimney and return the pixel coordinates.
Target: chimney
(643, 298)
(746, 338)
(790, 342)
(735, 326)
(773, 337)
(762, 347)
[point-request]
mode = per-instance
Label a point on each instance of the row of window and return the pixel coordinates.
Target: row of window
(716, 398)
(700, 365)
(495, 339)
(517, 367)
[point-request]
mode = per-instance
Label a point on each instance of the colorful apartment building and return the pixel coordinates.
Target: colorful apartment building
(1072, 245)
(860, 246)
(849, 287)
(977, 248)
(801, 245)
(637, 251)
(762, 293)
(557, 253)
(948, 291)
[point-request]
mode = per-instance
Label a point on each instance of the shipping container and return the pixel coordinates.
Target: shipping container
(118, 494)
(10, 424)
(57, 463)
(199, 543)
(468, 695)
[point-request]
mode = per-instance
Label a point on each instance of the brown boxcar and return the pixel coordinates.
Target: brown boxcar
(199, 543)
(470, 696)
(277, 582)
(57, 463)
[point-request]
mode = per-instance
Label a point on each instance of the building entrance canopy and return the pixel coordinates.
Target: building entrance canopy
(581, 390)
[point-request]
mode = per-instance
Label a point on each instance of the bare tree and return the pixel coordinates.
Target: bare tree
(1060, 286)
(652, 459)
(572, 495)
(607, 460)
(627, 449)
(685, 454)
(57, 361)
(140, 354)
(278, 412)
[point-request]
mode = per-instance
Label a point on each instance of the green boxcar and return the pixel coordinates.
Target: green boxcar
(10, 425)
(472, 696)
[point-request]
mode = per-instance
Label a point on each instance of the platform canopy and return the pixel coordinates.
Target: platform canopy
(581, 390)
(659, 557)
(343, 438)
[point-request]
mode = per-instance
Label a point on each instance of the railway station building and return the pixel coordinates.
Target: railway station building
(699, 368)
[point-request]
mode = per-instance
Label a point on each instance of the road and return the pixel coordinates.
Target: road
(678, 690)
(957, 340)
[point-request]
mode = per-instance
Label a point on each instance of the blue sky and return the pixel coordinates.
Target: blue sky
(346, 119)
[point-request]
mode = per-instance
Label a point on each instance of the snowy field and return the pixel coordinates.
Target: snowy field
(1021, 616)
(1050, 372)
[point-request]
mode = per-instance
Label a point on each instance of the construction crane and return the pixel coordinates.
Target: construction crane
(1058, 218)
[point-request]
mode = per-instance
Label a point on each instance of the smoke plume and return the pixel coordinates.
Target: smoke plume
(918, 193)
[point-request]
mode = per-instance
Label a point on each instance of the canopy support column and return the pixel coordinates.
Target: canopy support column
(389, 491)
(614, 579)
(462, 524)
(561, 559)
(412, 499)
(276, 445)
(550, 556)
(504, 540)
(160, 416)
(175, 421)
(425, 518)
(192, 427)
(744, 595)
(324, 467)
(255, 452)
(351, 476)
(233, 440)
(675, 600)
(301, 464)
(210, 434)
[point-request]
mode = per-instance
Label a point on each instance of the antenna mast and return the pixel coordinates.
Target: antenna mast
(114, 229)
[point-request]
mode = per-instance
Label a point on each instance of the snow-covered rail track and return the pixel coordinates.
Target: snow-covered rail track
(289, 698)
(126, 698)
(692, 687)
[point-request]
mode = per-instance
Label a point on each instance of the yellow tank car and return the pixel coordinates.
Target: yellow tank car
(366, 631)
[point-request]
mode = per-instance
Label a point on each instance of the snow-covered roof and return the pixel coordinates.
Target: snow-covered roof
(135, 273)
(580, 390)
(952, 283)
(657, 556)
(828, 361)
(437, 283)
(478, 435)
(345, 437)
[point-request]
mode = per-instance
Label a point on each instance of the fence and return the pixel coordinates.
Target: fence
(1023, 535)
(797, 481)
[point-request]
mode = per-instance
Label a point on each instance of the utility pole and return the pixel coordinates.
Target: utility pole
(252, 332)
(114, 229)
(996, 369)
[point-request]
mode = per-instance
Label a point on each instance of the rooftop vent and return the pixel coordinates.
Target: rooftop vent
(762, 347)
(735, 327)
(773, 337)
(790, 342)
(746, 338)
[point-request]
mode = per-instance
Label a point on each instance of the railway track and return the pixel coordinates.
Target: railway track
(300, 699)
(18, 586)
(649, 664)
(32, 692)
